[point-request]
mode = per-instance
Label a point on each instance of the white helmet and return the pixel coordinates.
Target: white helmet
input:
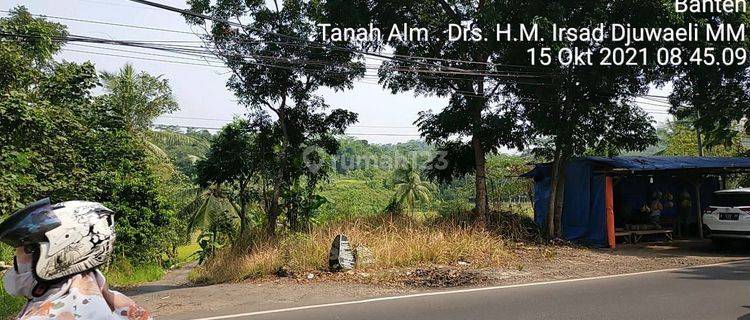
(65, 239)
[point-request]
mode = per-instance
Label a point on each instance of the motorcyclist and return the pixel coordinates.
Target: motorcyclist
(58, 251)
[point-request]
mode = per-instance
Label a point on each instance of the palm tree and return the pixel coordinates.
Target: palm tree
(410, 188)
(208, 204)
(136, 99)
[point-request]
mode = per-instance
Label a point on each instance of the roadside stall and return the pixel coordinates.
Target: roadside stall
(629, 198)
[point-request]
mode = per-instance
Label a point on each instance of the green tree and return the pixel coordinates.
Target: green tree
(682, 140)
(497, 98)
(208, 205)
(583, 108)
(229, 170)
(184, 150)
(713, 97)
(134, 99)
(273, 74)
(76, 151)
(410, 188)
(476, 122)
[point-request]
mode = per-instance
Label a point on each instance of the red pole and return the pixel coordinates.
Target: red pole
(609, 211)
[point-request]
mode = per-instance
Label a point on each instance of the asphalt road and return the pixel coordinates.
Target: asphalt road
(714, 292)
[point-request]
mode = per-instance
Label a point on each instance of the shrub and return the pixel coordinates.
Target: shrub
(353, 197)
(122, 273)
(10, 306)
(451, 209)
(519, 227)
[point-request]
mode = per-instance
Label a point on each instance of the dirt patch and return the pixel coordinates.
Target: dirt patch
(531, 263)
(443, 278)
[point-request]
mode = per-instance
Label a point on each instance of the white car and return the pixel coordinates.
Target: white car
(728, 216)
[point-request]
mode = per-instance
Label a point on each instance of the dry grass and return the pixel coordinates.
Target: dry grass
(394, 242)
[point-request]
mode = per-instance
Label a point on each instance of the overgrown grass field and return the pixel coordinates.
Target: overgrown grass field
(394, 242)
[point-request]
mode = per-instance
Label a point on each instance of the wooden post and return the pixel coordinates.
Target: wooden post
(609, 208)
(698, 208)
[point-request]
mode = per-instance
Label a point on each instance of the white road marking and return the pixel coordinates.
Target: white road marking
(440, 293)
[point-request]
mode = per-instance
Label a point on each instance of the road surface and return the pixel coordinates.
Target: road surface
(711, 292)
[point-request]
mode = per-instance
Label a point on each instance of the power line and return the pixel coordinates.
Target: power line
(455, 71)
(206, 55)
(307, 41)
(235, 24)
(192, 33)
(348, 133)
(275, 42)
(148, 59)
(646, 96)
(114, 24)
(468, 94)
(117, 4)
(230, 120)
(205, 52)
(655, 105)
(204, 58)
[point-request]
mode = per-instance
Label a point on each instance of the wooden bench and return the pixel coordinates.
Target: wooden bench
(637, 235)
(628, 235)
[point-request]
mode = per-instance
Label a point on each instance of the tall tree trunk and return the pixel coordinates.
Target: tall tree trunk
(274, 211)
(481, 178)
(279, 182)
(560, 197)
(293, 218)
(243, 209)
(243, 219)
(480, 159)
(553, 193)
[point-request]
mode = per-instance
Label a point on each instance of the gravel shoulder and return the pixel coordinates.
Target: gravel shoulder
(174, 298)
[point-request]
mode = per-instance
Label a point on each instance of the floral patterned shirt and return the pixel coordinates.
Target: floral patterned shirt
(83, 296)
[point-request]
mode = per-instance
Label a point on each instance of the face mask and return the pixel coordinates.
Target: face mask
(19, 281)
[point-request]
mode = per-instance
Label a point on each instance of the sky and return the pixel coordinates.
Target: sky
(201, 91)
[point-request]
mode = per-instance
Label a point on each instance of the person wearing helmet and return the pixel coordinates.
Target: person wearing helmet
(58, 251)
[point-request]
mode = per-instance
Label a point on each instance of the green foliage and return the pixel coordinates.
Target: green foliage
(452, 208)
(504, 183)
(183, 148)
(136, 98)
(410, 188)
(10, 306)
(714, 98)
(229, 168)
(186, 253)
(353, 198)
(208, 246)
(278, 80)
(682, 140)
(81, 146)
(123, 274)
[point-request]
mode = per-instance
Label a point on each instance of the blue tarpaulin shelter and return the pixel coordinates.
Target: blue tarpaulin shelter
(584, 218)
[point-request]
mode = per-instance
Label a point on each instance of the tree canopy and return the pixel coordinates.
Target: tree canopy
(275, 70)
(496, 97)
(75, 152)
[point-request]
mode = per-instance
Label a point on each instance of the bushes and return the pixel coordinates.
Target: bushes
(123, 274)
(9, 305)
(394, 242)
(519, 227)
(353, 198)
(58, 140)
(450, 208)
